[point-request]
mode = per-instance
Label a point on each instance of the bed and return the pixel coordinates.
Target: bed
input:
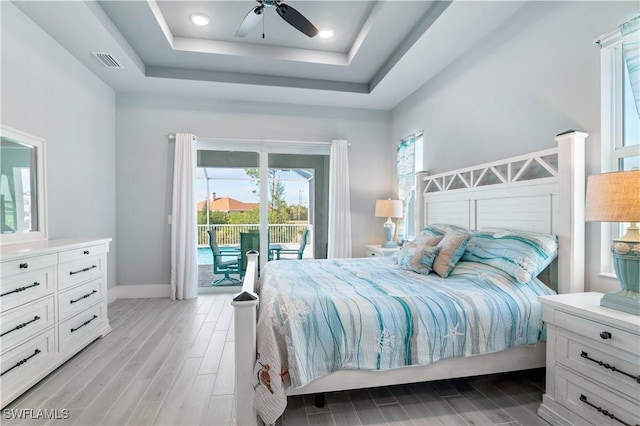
(310, 308)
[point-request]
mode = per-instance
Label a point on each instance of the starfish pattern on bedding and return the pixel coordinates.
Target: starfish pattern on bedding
(453, 332)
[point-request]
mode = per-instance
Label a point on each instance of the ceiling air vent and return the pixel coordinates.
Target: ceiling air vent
(107, 60)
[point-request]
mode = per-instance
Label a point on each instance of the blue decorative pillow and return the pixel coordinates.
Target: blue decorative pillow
(450, 250)
(417, 257)
(523, 255)
(440, 229)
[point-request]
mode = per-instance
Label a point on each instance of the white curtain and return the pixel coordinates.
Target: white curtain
(184, 252)
(339, 239)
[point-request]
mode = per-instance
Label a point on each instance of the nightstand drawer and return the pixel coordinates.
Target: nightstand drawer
(378, 251)
(609, 366)
(591, 401)
(605, 334)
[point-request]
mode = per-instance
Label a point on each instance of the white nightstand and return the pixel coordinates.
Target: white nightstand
(593, 362)
(378, 251)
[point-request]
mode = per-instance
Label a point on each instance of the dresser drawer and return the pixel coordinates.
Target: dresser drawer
(610, 366)
(23, 288)
(81, 329)
(82, 253)
(27, 264)
(589, 400)
(21, 324)
(605, 334)
(78, 298)
(79, 271)
(25, 362)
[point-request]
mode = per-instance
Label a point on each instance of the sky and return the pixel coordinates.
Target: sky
(235, 183)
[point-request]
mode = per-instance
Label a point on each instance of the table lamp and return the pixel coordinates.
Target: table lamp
(389, 208)
(615, 197)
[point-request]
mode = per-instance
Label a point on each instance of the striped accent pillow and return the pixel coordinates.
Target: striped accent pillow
(523, 255)
(417, 257)
(450, 250)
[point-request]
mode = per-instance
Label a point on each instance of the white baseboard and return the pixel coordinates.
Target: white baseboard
(138, 291)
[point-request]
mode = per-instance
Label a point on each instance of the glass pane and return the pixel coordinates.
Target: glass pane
(18, 192)
(630, 163)
(291, 183)
(631, 114)
(227, 206)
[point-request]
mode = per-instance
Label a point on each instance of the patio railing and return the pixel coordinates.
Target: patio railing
(230, 234)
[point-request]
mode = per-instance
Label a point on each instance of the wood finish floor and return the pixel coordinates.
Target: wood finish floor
(171, 363)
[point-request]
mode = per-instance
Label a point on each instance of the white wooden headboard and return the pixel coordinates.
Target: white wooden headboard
(539, 192)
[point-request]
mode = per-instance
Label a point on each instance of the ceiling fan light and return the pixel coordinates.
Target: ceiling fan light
(200, 19)
(326, 33)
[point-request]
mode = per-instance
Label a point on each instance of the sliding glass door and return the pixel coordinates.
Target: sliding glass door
(255, 196)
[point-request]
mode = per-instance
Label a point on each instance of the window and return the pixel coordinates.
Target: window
(409, 162)
(620, 52)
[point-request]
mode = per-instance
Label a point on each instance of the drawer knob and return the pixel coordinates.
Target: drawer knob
(85, 252)
(605, 335)
(23, 265)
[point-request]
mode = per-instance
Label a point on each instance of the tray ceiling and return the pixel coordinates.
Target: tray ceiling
(380, 53)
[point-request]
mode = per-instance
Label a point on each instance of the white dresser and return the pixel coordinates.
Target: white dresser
(593, 362)
(52, 304)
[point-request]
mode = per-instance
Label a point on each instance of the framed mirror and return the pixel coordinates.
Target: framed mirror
(23, 201)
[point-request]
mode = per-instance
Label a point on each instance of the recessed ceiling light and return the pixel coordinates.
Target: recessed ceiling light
(200, 19)
(326, 33)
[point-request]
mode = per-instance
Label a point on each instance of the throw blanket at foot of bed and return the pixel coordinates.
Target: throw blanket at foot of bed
(320, 316)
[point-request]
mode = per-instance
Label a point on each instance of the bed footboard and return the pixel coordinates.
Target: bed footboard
(245, 306)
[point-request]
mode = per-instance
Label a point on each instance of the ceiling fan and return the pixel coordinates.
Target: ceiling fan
(286, 12)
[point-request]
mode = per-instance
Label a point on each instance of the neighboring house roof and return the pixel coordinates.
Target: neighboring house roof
(227, 204)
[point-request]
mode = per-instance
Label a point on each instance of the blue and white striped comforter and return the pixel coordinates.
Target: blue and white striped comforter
(320, 316)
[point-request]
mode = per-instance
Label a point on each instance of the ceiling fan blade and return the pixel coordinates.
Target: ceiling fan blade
(250, 21)
(296, 20)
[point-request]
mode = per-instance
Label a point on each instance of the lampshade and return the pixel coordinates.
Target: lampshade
(613, 197)
(388, 208)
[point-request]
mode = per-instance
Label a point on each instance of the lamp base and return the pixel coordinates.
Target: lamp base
(389, 231)
(626, 262)
(623, 300)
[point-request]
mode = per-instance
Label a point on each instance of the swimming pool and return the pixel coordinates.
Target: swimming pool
(205, 257)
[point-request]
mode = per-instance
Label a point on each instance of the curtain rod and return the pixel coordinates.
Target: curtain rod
(173, 137)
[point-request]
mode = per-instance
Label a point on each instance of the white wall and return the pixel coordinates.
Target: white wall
(144, 165)
(48, 93)
(531, 79)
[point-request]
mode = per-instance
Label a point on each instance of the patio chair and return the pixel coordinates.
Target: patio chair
(299, 251)
(224, 267)
(248, 241)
